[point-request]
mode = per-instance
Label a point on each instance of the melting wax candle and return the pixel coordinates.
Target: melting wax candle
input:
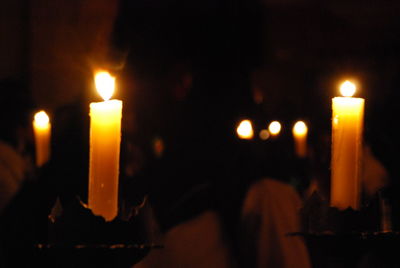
(347, 129)
(105, 139)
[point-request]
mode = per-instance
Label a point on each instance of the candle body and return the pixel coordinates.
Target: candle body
(42, 134)
(347, 128)
(300, 143)
(105, 139)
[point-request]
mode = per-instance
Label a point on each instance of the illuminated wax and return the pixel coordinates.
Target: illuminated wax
(42, 133)
(105, 139)
(347, 129)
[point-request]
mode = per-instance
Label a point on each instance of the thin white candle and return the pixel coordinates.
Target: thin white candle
(42, 133)
(300, 131)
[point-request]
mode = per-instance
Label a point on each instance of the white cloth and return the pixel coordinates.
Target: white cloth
(271, 211)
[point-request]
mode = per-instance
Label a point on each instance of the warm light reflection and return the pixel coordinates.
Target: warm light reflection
(158, 147)
(105, 84)
(347, 88)
(264, 134)
(245, 130)
(274, 128)
(41, 119)
(300, 128)
(336, 120)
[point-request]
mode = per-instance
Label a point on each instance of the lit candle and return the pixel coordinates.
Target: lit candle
(347, 128)
(274, 128)
(42, 133)
(300, 138)
(105, 139)
(245, 130)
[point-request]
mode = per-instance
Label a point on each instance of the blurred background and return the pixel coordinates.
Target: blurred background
(301, 50)
(305, 48)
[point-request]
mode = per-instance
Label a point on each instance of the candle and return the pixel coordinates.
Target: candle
(245, 130)
(347, 127)
(42, 134)
(274, 128)
(300, 138)
(105, 139)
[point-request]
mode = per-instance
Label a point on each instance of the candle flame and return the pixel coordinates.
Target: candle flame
(245, 130)
(300, 128)
(347, 88)
(274, 128)
(105, 84)
(264, 134)
(41, 118)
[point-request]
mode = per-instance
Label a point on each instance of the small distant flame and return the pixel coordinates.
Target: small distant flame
(245, 130)
(264, 134)
(347, 88)
(41, 119)
(274, 128)
(105, 84)
(300, 128)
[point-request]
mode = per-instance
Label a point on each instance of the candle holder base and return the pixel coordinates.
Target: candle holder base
(347, 238)
(77, 238)
(317, 217)
(90, 255)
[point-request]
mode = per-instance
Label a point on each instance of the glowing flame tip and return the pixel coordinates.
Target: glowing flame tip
(105, 84)
(274, 128)
(300, 128)
(41, 118)
(347, 88)
(245, 130)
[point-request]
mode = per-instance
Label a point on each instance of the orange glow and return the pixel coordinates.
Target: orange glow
(300, 128)
(158, 147)
(274, 128)
(347, 88)
(245, 130)
(105, 84)
(264, 134)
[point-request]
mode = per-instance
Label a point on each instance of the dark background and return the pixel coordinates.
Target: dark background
(303, 48)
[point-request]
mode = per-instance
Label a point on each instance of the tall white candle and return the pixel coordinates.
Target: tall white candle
(105, 139)
(347, 129)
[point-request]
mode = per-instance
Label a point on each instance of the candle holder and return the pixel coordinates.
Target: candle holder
(78, 238)
(346, 238)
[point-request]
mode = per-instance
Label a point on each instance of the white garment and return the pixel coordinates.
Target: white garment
(12, 173)
(270, 212)
(196, 243)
